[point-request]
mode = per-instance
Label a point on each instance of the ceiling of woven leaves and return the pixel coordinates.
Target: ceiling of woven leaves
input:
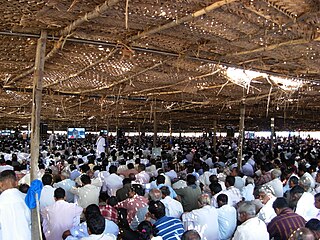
(114, 63)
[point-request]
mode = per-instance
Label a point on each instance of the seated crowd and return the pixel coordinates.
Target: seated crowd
(190, 191)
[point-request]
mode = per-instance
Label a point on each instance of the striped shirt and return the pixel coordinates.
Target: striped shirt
(169, 228)
(284, 224)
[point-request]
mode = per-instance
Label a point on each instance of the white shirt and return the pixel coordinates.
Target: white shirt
(277, 186)
(106, 236)
(142, 177)
(46, 196)
(88, 194)
(227, 219)
(113, 182)
(66, 184)
(172, 174)
(247, 192)
(101, 143)
(267, 212)
(234, 195)
(204, 221)
(173, 207)
(252, 229)
(15, 216)
(59, 217)
(5, 167)
(305, 207)
(204, 178)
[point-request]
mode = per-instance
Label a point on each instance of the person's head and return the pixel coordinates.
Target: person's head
(222, 200)
(146, 230)
(59, 194)
(161, 179)
(246, 211)
(135, 189)
(155, 195)
(47, 179)
(293, 181)
(313, 224)
(126, 181)
(85, 179)
(191, 179)
(230, 180)
(130, 166)
(141, 167)
(96, 225)
(190, 235)
(302, 234)
(112, 201)
(92, 211)
(302, 169)
(157, 209)
(204, 200)
(24, 188)
(276, 173)
(215, 188)
(8, 180)
(279, 204)
(113, 169)
(317, 200)
(165, 191)
(294, 195)
(305, 183)
(266, 192)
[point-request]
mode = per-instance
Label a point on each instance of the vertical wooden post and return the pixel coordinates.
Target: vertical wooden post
(155, 130)
(139, 130)
(272, 134)
(241, 135)
(170, 133)
(35, 121)
(214, 135)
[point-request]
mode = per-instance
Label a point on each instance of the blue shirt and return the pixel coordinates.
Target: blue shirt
(81, 230)
(173, 194)
(169, 228)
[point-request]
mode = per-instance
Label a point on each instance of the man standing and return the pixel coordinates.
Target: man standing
(60, 216)
(252, 228)
(203, 220)
(285, 222)
(101, 144)
(15, 217)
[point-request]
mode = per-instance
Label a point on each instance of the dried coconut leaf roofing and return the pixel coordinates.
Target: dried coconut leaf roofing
(171, 57)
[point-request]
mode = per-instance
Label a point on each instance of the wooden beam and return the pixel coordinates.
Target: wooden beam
(241, 136)
(182, 20)
(35, 123)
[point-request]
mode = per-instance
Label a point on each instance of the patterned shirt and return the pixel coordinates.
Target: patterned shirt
(169, 228)
(284, 224)
(109, 213)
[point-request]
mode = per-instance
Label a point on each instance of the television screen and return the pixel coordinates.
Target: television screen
(76, 133)
(5, 132)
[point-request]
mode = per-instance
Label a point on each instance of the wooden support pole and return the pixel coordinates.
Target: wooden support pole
(155, 127)
(170, 133)
(272, 134)
(214, 135)
(241, 136)
(35, 122)
(139, 130)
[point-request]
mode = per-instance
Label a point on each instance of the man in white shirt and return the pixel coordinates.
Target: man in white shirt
(203, 220)
(88, 193)
(252, 228)
(66, 184)
(276, 183)
(232, 192)
(113, 182)
(47, 192)
(60, 216)
(227, 218)
(101, 144)
(173, 207)
(266, 195)
(15, 216)
(142, 177)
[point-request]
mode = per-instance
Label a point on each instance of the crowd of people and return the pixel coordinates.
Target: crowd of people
(185, 188)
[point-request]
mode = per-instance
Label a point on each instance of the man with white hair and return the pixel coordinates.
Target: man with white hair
(276, 183)
(252, 228)
(266, 196)
(66, 184)
(203, 220)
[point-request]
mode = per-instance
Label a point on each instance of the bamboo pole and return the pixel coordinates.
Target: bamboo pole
(155, 126)
(241, 136)
(272, 134)
(187, 18)
(35, 120)
(214, 141)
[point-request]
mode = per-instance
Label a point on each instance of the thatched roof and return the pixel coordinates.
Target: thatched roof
(118, 61)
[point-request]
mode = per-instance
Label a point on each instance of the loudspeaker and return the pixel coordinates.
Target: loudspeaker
(43, 128)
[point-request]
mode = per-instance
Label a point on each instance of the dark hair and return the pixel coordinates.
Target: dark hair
(280, 203)
(230, 180)
(96, 224)
(222, 198)
(103, 196)
(112, 201)
(191, 179)
(157, 208)
(165, 190)
(130, 166)
(296, 189)
(59, 193)
(24, 188)
(215, 187)
(145, 230)
(85, 179)
(47, 179)
(294, 179)
(126, 181)
(138, 189)
(113, 169)
(317, 195)
(84, 168)
(142, 167)
(92, 211)
(190, 235)
(313, 224)
(8, 174)
(161, 179)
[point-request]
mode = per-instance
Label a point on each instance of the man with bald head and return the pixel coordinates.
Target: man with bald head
(15, 217)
